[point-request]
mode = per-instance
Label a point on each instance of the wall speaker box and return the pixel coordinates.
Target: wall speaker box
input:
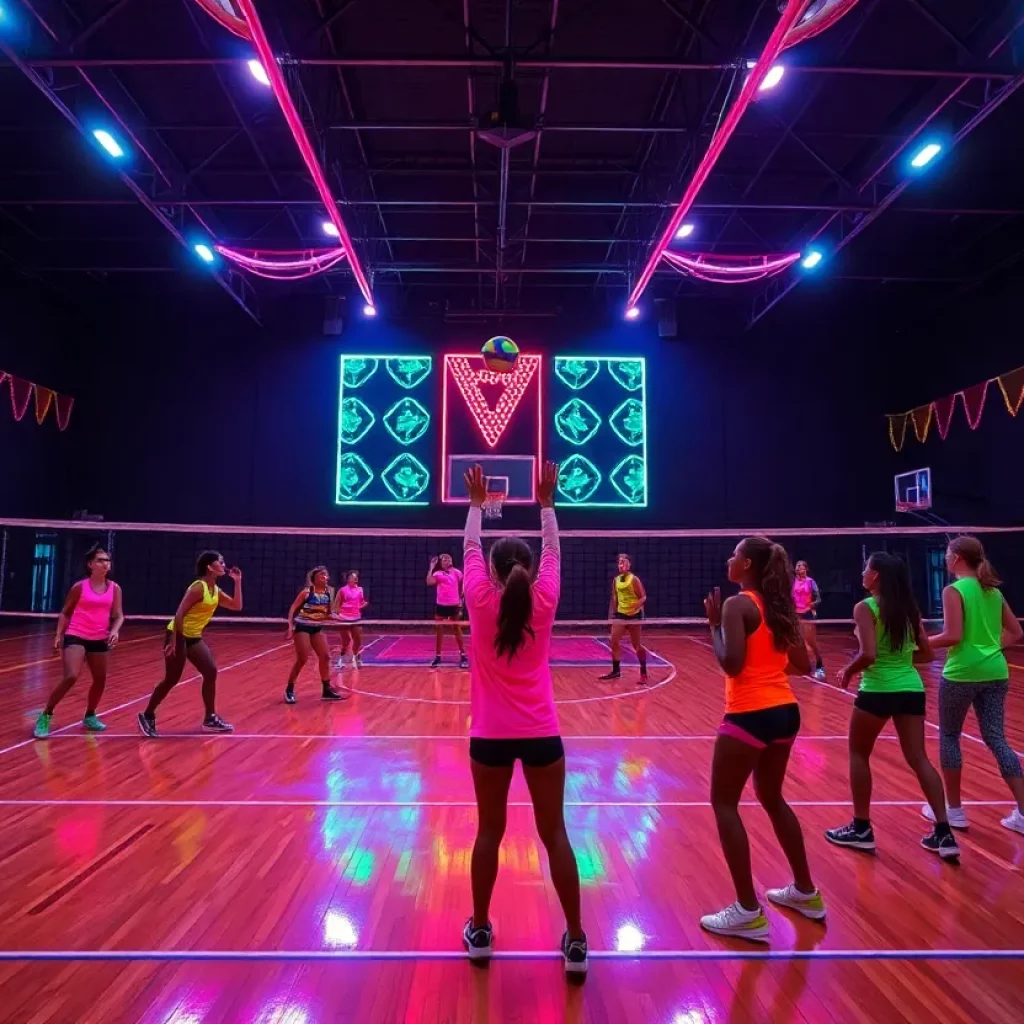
(666, 311)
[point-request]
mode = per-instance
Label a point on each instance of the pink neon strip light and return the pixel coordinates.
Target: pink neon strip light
(817, 23)
(291, 115)
(230, 21)
(773, 48)
(278, 266)
(730, 269)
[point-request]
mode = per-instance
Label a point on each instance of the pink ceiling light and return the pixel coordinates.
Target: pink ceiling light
(729, 269)
(820, 17)
(226, 13)
(775, 45)
(291, 115)
(284, 266)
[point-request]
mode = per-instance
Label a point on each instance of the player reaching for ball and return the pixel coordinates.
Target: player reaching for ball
(448, 607)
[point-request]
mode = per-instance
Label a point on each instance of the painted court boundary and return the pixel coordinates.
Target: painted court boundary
(206, 955)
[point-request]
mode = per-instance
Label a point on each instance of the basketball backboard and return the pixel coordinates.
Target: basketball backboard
(913, 490)
(492, 420)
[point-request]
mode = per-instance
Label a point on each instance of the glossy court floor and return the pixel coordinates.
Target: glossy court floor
(313, 866)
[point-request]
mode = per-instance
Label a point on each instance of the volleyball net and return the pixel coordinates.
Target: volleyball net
(153, 563)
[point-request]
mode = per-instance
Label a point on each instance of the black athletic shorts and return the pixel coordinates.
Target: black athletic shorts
(885, 705)
(450, 612)
(635, 617)
(807, 616)
(759, 728)
(534, 753)
(91, 646)
(308, 629)
(190, 641)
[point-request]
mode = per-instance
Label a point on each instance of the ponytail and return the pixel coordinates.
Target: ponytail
(971, 551)
(514, 612)
(774, 581)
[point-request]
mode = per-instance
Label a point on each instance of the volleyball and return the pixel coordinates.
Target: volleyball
(500, 355)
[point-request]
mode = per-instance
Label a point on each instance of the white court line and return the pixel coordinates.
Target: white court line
(392, 737)
(678, 804)
(121, 955)
(24, 636)
(145, 696)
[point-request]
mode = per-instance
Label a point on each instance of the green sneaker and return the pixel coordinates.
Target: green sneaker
(93, 724)
(42, 729)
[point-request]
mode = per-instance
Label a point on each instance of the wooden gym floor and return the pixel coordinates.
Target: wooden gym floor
(313, 866)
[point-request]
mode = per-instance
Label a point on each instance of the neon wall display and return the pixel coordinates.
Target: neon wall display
(406, 435)
(598, 411)
(386, 445)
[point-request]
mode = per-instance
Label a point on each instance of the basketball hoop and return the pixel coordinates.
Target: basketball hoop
(493, 503)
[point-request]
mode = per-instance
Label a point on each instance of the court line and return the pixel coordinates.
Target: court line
(24, 636)
(122, 955)
(392, 737)
(145, 696)
(678, 804)
(54, 656)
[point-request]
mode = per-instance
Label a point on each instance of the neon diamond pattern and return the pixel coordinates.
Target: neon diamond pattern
(577, 422)
(629, 373)
(628, 422)
(409, 371)
(576, 374)
(357, 370)
(629, 478)
(492, 422)
(406, 477)
(407, 421)
(354, 476)
(578, 479)
(356, 420)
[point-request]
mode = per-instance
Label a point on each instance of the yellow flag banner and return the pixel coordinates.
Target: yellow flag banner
(941, 410)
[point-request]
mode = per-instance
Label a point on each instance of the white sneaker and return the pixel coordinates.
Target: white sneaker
(957, 816)
(737, 922)
(819, 673)
(812, 906)
(1015, 822)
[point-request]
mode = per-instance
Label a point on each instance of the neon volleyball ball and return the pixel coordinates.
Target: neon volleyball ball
(500, 355)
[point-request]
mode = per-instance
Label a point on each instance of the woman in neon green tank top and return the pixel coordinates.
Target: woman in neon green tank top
(892, 641)
(977, 626)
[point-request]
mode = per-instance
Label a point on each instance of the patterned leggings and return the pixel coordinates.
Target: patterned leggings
(989, 702)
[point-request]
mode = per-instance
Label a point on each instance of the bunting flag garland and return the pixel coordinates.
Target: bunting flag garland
(45, 398)
(1011, 385)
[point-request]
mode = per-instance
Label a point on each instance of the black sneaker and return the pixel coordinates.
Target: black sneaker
(850, 836)
(436, 662)
(609, 676)
(463, 661)
(945, 846)
(214, 723)
(479, 942)
(147, 723)
(289, 696)
(575, 953)
(330, 693)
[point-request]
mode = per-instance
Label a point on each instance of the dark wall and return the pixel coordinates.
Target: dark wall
(205, 418)
(34, 457)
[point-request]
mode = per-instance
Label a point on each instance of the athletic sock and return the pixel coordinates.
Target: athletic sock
(615, 665)
(90, 712)
(326, 683)
(862, 824)
(942, 829)
(818, 664)
(643, 662)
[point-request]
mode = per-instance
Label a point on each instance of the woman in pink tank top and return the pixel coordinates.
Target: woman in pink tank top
(512, 707)
(87, 628)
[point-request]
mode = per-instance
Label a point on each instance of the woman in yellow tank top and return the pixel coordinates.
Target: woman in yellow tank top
(626, 612)
(184, 640)
(757, 640)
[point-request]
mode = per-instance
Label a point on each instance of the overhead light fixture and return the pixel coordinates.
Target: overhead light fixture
(811, 259)
(369, 310)
(328, 227)
(632, 313)
(259, 72)
(772, 79)
(204, 252)
(685, 230)
(108, 142)
(925, 155)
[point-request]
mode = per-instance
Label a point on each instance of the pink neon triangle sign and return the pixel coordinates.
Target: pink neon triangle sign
(492, 422)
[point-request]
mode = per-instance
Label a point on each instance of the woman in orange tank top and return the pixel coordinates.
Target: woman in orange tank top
(757, 640)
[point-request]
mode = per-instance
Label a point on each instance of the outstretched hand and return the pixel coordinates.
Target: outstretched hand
(476, 486)
(547, 484)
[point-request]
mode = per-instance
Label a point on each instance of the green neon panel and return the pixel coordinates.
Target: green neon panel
(576, 374)
(629, 422)
(577, 422)
(409, 371)
(578, 479)
(629, 478)
(407, 421)
(629, 373)
(403, 447)
(406, 478)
